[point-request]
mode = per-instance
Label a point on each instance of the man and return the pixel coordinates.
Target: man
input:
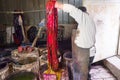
(82, 39)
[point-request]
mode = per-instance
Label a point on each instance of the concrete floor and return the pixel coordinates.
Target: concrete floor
(98, 72)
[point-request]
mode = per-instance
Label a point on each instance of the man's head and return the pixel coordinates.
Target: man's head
(82, 8)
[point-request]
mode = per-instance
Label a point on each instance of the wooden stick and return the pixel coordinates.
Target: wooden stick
(24, 35)
(23, 31)
(36, 38)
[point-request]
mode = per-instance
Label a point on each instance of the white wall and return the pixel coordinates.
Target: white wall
(106, 15)
(9, 35)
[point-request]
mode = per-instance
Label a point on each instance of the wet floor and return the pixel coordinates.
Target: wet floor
(99, 72)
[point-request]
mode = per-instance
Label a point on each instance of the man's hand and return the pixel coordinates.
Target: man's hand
(58, 5)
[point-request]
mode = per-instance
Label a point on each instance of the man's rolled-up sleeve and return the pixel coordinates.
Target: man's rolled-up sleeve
(73, 11)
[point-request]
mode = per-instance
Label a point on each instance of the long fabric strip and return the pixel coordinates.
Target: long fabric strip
(52, 27)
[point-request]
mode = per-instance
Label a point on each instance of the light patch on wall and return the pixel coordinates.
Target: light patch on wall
(106, 17)
(9, 31)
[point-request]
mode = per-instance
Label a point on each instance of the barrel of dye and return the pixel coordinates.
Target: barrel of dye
(68, 62)
(43, 56)
(72, 65)
(17, 56)
(4, 70)
(22, 75)
(5, 59)
(28, 64)
(5, 56)
(68, 56)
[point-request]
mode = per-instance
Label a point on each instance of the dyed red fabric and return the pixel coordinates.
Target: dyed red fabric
(52, 27)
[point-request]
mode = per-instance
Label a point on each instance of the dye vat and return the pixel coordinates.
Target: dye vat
(22, 75)
(43, 56)
(17, 56)
(5, 56)
(4, 70)
(28, 64)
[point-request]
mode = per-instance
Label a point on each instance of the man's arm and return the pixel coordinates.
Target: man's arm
(74, 12)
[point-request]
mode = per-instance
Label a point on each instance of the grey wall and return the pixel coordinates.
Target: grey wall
(32, 18)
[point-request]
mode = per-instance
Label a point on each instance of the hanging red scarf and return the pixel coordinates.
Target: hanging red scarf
(52, 27)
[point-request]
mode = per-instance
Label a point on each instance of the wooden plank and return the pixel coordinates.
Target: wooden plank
(42, 4)
(11, 5)
(29, 16)
(6, 9)
(81, 2)
(4, 3)
(7, 6)
(39, 9)
(78, 3)
(24, 8)
(65, 15)
(42, 7)
(71, 20)
(0, 5)
(45, 7)
(10, 8)
(2, 16)
(19, 4)
(60, 14)
(36, 14)
(16, 4)
(33, 13)
(72, 2)
(46, 2)
(24, 2)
